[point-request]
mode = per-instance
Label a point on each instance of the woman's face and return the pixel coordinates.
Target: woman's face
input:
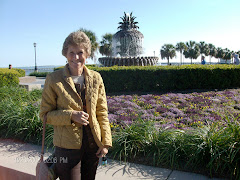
(76, 56)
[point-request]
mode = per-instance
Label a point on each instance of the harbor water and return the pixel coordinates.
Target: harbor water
(31, 69)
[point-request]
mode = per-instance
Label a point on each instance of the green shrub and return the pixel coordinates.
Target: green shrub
(21, 72)
(57, 68)
(169, 78)
(90, 66)
(9, 77)
(211, 150)
(39, 74)
(19, 114)
(166, 78)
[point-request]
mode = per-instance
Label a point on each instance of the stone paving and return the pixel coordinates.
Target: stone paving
(18, 160)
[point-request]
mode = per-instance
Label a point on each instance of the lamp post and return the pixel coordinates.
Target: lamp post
(154, 53)
(35, 44)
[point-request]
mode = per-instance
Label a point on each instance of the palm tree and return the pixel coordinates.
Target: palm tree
(181, 46)
(227, 55)
(106, 44)
(93, 39)
(193, 50)
(220, 53)
(232, 59)
(238, 53)
(204, 48)
(213, 51)
(168, 51)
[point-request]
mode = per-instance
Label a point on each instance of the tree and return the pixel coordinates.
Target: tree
(181, 46)
(227, 54)
(238, 53)
(93, 39)
(220, 53)
(106, 44)
(232, 59)
(168, 51)
(193, 50)
(213, 51)
(204, 48)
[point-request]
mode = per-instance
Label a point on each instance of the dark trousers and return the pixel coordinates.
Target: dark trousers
(67, 159)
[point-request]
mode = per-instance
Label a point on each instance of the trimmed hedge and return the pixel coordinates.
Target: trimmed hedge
(57, 68)
(9, 77)
(39, 74)
(90, 66)
(169, 78)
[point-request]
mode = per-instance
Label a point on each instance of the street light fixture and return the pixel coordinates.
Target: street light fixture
(35, 44)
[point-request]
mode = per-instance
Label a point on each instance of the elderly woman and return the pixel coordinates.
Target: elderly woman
(74, 101)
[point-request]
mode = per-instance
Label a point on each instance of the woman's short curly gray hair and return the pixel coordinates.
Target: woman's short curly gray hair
(77, 38)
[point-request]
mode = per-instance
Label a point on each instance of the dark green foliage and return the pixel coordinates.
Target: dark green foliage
(220, 53)
(169, 78)
(181, 46)
(204, 48)
(168, 51)
(19, 114)
(228, 54)
(213, 51)
(93, 38)
(193, 50)
(106, 44)
(133, 140)
(210, 150)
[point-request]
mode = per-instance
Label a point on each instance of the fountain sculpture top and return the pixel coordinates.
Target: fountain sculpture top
(128, 41)
(128, 22)
(127, 46)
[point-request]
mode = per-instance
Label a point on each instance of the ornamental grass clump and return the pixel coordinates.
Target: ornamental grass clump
(212, 150)
(131, 141)
(19, 114)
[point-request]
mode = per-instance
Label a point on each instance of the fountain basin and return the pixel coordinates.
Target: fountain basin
(129, 61)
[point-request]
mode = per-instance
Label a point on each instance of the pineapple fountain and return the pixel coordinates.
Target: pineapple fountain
(127, 46)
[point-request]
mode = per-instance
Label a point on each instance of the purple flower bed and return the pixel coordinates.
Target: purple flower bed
(175, 110)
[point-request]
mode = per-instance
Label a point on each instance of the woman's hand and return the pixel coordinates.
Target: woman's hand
(102, 152)
(80, 117)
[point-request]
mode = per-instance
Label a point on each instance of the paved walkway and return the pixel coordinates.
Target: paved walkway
(39, 80)
(18, 161)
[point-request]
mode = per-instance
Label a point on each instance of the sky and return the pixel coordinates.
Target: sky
(49, 22)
